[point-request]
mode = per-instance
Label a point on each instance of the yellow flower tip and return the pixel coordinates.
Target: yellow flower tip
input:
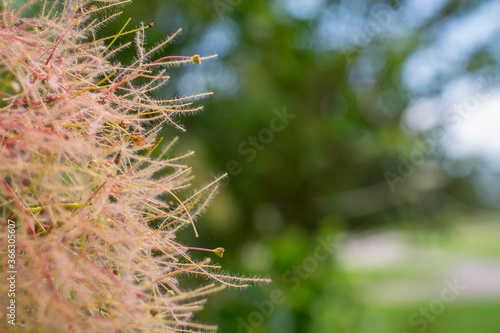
(150, 25)
(153, 312)
(137, 140)
(196, 59)
(219, 251)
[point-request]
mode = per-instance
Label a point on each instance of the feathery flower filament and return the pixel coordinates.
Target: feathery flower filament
(96, 213)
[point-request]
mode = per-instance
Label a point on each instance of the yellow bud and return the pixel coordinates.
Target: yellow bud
(196, 59)
(137, 140)
(219, 251)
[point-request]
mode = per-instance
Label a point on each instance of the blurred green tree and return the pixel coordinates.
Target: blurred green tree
(306, 119)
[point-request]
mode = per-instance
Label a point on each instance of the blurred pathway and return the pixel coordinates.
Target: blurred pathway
(399, 267)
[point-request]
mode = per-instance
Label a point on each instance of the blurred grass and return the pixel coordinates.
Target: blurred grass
(456, 318)
(421, 273)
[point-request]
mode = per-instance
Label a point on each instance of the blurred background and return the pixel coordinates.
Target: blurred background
(362, 146)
